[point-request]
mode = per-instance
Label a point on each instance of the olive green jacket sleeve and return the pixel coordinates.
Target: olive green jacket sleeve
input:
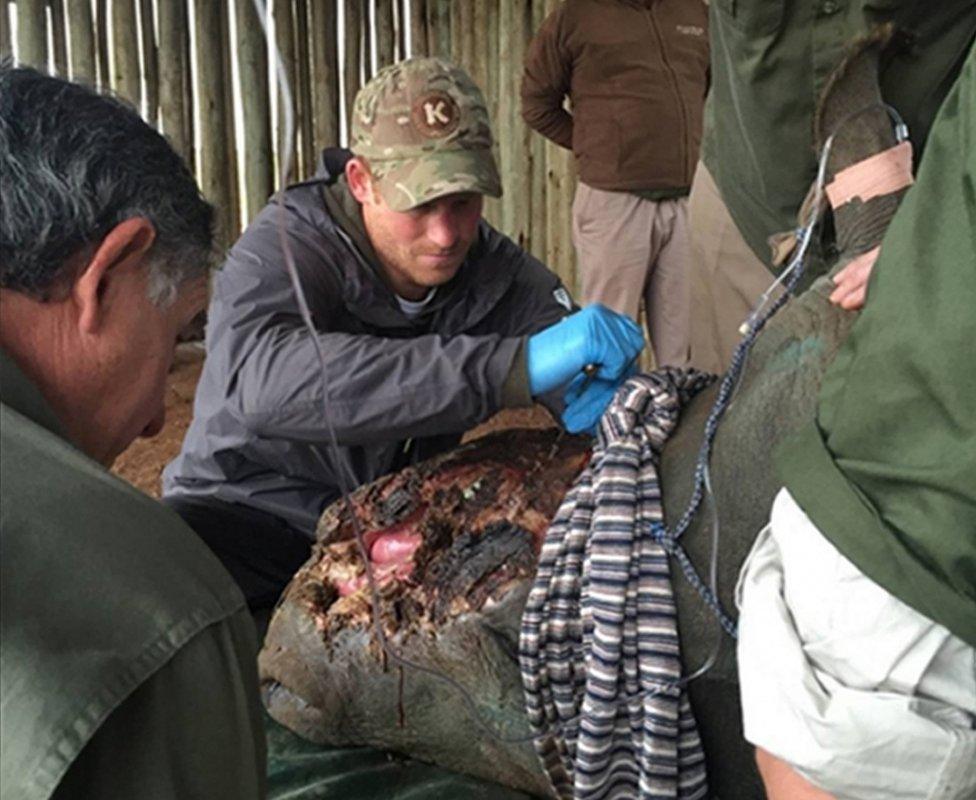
(127, 663)
(887, 471)
(191, 731)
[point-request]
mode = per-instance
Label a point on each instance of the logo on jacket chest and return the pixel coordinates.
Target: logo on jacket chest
(562, 297)
(690, 30)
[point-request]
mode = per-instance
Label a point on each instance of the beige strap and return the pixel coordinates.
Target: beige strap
(882, 173)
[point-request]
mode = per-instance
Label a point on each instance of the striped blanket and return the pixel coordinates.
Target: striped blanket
(599, 648)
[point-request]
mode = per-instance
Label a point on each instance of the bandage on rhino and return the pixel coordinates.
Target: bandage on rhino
(322, 671)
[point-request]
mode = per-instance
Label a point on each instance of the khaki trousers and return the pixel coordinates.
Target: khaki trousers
(862, 695)
(629, 250)
(726, 278)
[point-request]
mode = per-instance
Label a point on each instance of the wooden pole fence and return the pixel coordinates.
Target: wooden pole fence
(81, 38)
(142, 48)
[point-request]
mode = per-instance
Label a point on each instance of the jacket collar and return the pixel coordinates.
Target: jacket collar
(20, 394)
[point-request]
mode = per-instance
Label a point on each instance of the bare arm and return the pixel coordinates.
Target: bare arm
(782, 782)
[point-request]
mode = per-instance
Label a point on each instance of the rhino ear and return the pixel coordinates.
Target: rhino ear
(851, 107)
(868, 171)
(851, 110)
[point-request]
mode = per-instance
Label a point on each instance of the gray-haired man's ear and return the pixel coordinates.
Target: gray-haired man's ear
(124, 248)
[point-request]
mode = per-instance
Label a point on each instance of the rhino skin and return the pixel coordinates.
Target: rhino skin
(777, 395)
(481, 513)
(324, 676)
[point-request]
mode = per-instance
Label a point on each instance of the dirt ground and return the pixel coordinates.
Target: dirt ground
(142, 464)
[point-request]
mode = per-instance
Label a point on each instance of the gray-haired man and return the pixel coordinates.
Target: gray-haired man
(127, 659)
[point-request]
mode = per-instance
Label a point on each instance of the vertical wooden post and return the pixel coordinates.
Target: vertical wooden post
(354, 35)
(126, 77)
(560, 186)
(439, 28)
(325, 72)
(189, 90)
(59, 37)
(230, 145)
(401, 29)
(81, 35)
(214, 135)
(32, 34)
(514, 135)
(252, 62)
(478, 60)
(456, 53)
(385, 35)
(366, 44)
(492, 54)
(150, 59)
(6, 35)
(101, 51)
(466, 13)
(284, 27)
(173, 65)
(476, 45)
(487, 43)
(537, 155)
(419, 42)
(303, 77)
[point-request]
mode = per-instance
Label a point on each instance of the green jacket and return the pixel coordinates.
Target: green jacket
(888, 470)
(127, 661)
(770, 60)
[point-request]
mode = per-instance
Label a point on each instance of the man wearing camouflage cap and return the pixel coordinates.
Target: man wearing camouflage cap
(430, 321)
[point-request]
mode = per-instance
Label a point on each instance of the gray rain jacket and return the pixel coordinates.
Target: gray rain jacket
(399, 390)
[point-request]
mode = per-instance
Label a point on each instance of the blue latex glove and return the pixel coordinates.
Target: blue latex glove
(595, 335)
(587, 399)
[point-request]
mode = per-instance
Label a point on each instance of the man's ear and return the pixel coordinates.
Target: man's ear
(120, 252)
(359, 180)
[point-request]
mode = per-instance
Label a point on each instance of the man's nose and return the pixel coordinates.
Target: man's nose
(442, 230)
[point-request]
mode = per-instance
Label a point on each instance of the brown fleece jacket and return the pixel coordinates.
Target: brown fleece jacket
(636, 72)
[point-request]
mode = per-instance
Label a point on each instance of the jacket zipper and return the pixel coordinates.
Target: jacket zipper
(677, 94)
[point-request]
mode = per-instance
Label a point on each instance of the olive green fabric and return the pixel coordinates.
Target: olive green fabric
(300, 770)
(770, 61)
(888, 470)
(127, 664)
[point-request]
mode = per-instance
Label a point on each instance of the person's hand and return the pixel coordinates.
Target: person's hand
(595, 335)
(851, 283)
(586, 400)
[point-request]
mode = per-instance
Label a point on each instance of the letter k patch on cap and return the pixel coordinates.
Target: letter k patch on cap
(435, 115)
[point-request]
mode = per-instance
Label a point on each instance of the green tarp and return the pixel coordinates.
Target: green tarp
(301, 770)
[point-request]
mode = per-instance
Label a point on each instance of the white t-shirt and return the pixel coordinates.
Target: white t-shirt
(414, 308)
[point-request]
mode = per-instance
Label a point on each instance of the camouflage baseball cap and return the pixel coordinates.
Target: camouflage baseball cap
(422, 125)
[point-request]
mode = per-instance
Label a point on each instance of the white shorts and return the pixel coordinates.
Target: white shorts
(862, 695)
